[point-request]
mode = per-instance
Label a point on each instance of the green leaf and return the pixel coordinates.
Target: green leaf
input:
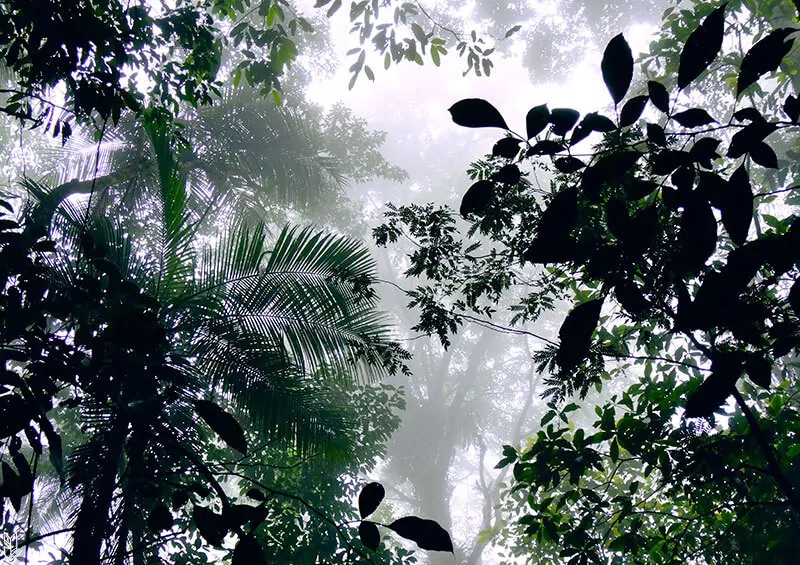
(225, 425)
(702, 47)
(617, 67)
(512, 31)
(476, 113)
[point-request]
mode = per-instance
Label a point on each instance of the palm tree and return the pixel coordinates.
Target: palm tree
(177, 326)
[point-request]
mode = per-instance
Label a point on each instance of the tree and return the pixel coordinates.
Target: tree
(144, 335)
(666, 244)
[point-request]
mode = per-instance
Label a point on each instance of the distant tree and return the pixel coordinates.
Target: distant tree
(682, 269)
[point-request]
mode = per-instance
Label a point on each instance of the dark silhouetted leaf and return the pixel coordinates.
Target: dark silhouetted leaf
(553, 242)
(11, 487)
(694, 117)
(576, 332)
(697, 238)
(563, 119)
(427, 534)
(704, 151)
(655, 133)
(683, 178)
(668, 160)
(702, 47)
(210, 525)
(569, 164)
(712, 188)
(508, 147)
(744, 140)
(748, 114)
(545, 147)
(16, 414)
(637, 189)
(763, 154)
(256, 494)
(179, 499)
(758, 369)
(792, 108)
(608, 168)
(477, 197)
(536, 120)
(508, 174)
(369, 498)
(737, 208)
(597, 122)
(617, 219)
(658, 95)
(709, 396)
(476, 113)
(794, 297)
(632, 111)
(764, 57)
(160, 518)
(225, 425)
(617, 67)
(248, 551)
(630, 298)
(369, 535)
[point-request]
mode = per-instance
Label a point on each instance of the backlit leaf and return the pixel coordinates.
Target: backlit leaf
(369, 535)
(477, 197)
(508, 147)
(576, 332)
(536, 120)
(702, 47)
(709, 396)
(764, 57)
(476, 113)
(563, 119)
(737, 206)
(658, 95)
(632, 111)
(427, 534)
(369, 498)
(617, 67)
(223, 424)
(694, 117)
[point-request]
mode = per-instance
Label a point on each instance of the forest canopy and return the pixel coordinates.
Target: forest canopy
(192, 372)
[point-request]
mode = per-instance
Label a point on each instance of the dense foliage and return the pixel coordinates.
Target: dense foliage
(681, 267)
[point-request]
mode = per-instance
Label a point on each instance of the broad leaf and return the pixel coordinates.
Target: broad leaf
(702, 47)
(553, 242)
(632, 111)
(763, 154)
(369, 498)
(697, 238)
(476, 113)
(563, 119)
(576, 332)
(427, 534)
(536, 120)
(658, 95)
(617, 67)
(507, 174)
(792, 108)
(223, 424)
(695, 117)
(508, 147)
(160, 518)
(655, 134)
(758, 369)
(744, 140)
(764, 57)
(545, 147)
(597, 122)
(737, 206)
(794, 297)
(477, 197)
(210, 525)
(568, 164)
(369, 535)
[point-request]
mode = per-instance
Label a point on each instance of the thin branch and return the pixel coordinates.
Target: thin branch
(436, 23)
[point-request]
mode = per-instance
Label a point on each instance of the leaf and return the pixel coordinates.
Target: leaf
(704, 151)
(512, 31)
(637, 189)
(748, 114)
(697, 236)
(248, 551)
(210, 525)
(764, 57)
(545, 147)
(568, 164)
(658, 95)
(702, 47)
(508, 147)
(563, 119)
(745, 139)
(709, 396)
(256, 494)
(553, 242)
(791, 108)
(223, 424)
(630, 297)
(160, 518)
(794, 297)
(655, 134)
(536, 120)
(369, 535)
(597, 122)
(477, 197)
(617, 67)
(369, 498)
(576, 332)
(427, 534)
(632, 110)
(507, 174)
(758, 370)
(695, 117)
(476, 113)
(763, 154)
(737, 206)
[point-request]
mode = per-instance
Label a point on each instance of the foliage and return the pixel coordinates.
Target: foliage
(673, 257)
(153, 355)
